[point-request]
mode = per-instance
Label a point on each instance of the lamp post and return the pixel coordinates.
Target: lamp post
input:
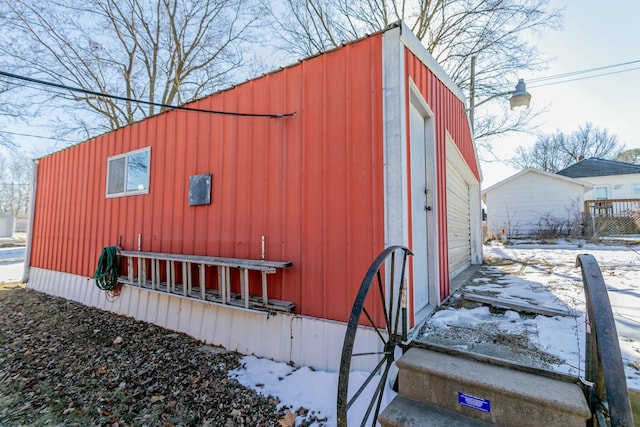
(517, 98)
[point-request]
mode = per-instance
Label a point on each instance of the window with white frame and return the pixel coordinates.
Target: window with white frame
(601, 193)
(128, 173)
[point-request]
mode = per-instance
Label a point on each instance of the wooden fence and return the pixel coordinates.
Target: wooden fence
(612, 217)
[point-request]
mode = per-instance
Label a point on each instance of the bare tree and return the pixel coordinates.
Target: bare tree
(452, 31)
(544, 155)
(552, 153)
(162, 51)
(15, 183)
(14, 111)
(630, 156)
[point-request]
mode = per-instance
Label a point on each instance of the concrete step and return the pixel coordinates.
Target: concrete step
(402, 412)
(493, 394)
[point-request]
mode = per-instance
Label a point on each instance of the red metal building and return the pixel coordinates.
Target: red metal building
(379, 152)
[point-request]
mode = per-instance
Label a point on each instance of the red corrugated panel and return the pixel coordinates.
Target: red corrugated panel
(335, 199)
(365, 166)
(81, 171)
(312, 185)
(91, 194)
(313, 238)
(292, 184)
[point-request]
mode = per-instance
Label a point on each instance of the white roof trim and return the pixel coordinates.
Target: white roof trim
(414, 45)
(586, 185)
(411, 42)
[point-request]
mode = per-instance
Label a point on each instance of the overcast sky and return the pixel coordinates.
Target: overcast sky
(595, 34)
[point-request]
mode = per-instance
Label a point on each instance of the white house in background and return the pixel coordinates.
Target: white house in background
(532, 201)
(611, 179)
(7, 225)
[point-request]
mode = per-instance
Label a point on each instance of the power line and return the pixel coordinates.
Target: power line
(588, 70)
(33, 86)
(139, 101)
(38, 136)
(584, 78)
(531, 83)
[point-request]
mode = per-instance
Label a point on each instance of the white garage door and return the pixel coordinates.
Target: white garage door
(458, 221)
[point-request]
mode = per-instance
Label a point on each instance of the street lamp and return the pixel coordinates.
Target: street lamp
(517, 98)
(520, 97)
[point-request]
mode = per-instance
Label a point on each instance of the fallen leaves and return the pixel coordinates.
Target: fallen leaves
(65, 363)
(289, 420)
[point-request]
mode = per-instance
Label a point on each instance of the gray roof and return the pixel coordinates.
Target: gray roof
(599, 167)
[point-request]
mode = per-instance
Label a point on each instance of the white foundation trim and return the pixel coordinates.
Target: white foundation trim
(284, 337)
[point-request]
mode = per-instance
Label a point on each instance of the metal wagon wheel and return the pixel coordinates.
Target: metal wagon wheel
(606, 391)
(382, 293)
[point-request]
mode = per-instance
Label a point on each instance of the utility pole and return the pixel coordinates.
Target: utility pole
(472, 92)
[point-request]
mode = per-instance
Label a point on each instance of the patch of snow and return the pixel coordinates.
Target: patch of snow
(304, 388)
(11, 271)
(546, 276)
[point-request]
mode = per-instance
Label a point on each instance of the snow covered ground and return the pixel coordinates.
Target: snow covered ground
(544, 275)
(548, 274)
(11, 264)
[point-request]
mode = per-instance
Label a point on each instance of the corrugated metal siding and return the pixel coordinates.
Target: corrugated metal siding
(449, 117)
(310, 184)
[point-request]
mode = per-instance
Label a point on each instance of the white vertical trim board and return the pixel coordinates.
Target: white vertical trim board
(285, 337)
(394, 127)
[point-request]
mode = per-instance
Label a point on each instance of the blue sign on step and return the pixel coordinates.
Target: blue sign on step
(474, 402)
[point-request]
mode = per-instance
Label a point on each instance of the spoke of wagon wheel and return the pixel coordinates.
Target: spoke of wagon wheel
(389, 316)
(377, 397)
(366, 313)
(382, 300)
(399, 302)
(390, 290)
(366, 383)
(373, 353)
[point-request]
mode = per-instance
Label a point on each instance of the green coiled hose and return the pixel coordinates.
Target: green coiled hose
(106, 274)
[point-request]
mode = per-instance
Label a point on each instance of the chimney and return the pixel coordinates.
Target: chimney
(580, 158)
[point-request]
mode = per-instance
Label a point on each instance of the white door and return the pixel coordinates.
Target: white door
(419, 209)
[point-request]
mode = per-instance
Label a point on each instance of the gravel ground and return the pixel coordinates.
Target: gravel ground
(65, 364)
